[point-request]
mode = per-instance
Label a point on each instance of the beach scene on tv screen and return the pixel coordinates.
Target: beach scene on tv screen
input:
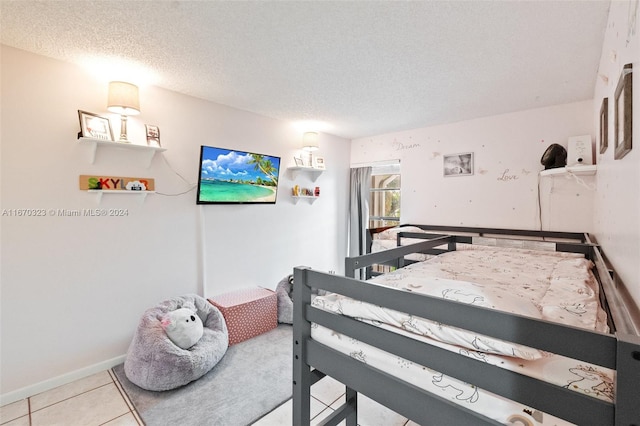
(228, 176)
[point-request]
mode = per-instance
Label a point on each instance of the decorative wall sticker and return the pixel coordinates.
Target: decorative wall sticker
(399, 146)
(482, 171)
(435, 154)
(525, 172)
(506, 177)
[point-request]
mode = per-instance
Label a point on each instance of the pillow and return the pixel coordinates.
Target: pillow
(392, 233)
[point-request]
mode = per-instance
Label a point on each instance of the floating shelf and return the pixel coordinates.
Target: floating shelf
(567, 170)
(101, 192)
(306, 197)
(310, 170)
(95, 143)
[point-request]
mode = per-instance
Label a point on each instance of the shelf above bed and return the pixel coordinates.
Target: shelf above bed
(589, 170)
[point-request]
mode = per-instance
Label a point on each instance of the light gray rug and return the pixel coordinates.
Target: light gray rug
(253, 378)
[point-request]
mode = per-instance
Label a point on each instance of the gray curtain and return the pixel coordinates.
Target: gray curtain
(359, 211)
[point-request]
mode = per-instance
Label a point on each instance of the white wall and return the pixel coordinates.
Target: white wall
(74, 288)
(502, 192)
(617, 202)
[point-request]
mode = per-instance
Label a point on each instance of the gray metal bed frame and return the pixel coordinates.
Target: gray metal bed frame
(619, 350)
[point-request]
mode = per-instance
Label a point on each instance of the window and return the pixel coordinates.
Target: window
(384, 201)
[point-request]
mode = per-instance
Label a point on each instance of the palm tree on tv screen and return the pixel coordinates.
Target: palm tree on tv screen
(265, 166)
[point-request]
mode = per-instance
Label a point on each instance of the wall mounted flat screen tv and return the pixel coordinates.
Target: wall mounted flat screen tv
(231, 176)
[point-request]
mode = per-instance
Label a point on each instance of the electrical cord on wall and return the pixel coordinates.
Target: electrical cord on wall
(192, 185)
(539, 202)
(179, 193)
(590, 187)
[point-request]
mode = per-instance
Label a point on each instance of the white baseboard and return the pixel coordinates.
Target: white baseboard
(72, 376)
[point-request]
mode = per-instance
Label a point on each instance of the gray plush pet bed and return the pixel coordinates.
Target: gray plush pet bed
(155, 363)
(284, 291)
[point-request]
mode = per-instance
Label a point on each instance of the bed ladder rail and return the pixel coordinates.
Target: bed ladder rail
(573, 406)
(501, 231)
(627, 381)
(354, 263)
(303, 375)
(346, 411)
(416, 404)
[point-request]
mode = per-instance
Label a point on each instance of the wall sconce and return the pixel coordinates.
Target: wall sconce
(310, 141)
(123, 100)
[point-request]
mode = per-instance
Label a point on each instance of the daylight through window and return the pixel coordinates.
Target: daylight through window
(384, 201)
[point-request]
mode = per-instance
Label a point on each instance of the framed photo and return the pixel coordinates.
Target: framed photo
(458, 164)
(153, 135)
(95, 127)
(623, 114)
(298, 161)
(604, 125)
(318, 163)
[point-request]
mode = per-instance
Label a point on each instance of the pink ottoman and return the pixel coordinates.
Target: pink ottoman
(248, 313)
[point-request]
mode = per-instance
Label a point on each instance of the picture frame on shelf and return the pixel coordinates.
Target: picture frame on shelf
(623, 114)
(298, 161)
(458, 164)
(153, 135)
(604, 125)
(94, 126)
(318, 163)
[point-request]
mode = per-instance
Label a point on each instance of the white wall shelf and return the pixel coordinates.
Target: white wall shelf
(313, 172)
(149, 151)
(101, 192)
(311, 198)
(589, 170)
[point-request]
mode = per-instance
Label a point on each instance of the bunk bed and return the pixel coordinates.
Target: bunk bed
(604, 362)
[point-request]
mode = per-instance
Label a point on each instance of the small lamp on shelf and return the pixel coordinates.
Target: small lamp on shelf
(123, 100)
(310, 144)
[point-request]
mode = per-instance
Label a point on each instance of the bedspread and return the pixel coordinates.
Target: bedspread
(553, 286)
(561, 285)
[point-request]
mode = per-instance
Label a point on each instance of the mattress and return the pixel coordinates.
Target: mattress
(553, 286)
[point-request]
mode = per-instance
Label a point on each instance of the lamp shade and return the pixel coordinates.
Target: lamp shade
(123, 98)
(310, 141)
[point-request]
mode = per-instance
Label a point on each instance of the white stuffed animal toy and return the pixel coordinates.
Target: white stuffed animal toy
(183, 326)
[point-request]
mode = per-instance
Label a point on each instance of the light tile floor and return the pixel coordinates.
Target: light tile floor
(94, 400)
(99, 400)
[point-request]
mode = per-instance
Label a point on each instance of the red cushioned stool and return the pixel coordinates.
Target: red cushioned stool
(248, 313)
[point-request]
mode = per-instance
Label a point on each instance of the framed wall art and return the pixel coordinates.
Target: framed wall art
(318, 163)
(458, 164)
(623, 114)
(95, 127)
(604, 125)
(153, 135)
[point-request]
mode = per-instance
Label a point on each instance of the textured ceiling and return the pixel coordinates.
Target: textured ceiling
(361, 68)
